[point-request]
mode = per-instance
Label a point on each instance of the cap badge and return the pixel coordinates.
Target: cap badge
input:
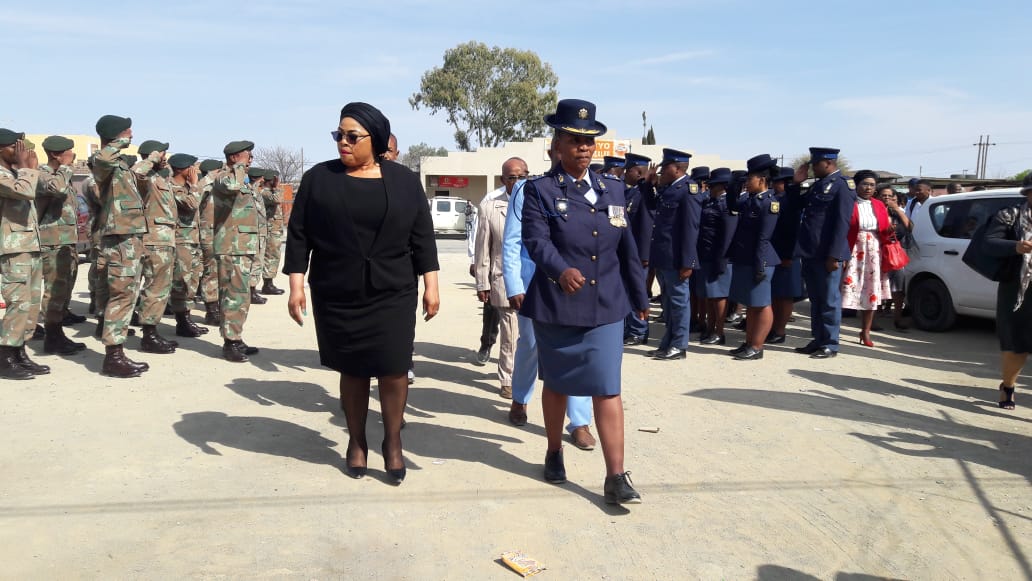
(582, 114)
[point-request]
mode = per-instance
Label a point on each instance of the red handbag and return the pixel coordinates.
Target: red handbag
(893, 256)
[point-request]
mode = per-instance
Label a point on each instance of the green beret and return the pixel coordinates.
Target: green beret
(181, 160)
(237, 146)
(57, 144)
(150, 146)
(129, 159)
(165, 172)
(210, 165)
(271, 174)
(255, 173)
(8, 137)
(109, 126)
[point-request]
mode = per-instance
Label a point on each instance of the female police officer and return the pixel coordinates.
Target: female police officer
(712, 281)
(588, 277)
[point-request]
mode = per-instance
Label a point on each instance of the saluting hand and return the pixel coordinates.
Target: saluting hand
(651, 177)
(801, 173)
(571, 280)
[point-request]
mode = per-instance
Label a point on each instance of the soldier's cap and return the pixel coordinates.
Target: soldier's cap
(210, 165)
(761, 163)
(271, 174)
(129, 159)
(785, 174)
(237, 146)
(700, 173)
(256, 173)
(721, 175)
(610, 161)
(181, 161)
(822, 153)
(150, 146)
(8, 137)
(633, 159)
(595, 167)
(57, 144)
(674, 156)
(109, 126)
(575, 116)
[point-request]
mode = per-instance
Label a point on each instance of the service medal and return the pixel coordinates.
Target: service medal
(616, 216)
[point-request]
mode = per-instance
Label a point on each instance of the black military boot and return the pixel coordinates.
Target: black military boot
(93, 304)
(186, 328)
(212, 314)
(154, 343)
(9, 368)
(22, 358)
(116, 364)
(234, 351)
(39, 333)
(270, 289)
(100, 326)
(71, 318)
(56, 343)
(135, 320)
(257, 299)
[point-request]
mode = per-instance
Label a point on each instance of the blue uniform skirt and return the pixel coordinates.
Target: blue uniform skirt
(581, 361)
(744, 288)
(788, 281)
(707, 283)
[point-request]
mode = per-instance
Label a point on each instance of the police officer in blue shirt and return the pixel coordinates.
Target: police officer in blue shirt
(639, 218)
(823, 248)
(614, 166)
(711, 282)
(787, 285)
(753, 255)
(673, 252)
(587, 279)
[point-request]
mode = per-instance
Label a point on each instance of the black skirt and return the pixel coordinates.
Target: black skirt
(1013, 329)
(369, 335)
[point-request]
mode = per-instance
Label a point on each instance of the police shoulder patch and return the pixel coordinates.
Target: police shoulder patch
(693, 188)
(775, 207)
(851, 183)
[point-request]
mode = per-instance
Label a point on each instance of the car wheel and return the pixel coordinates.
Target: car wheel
(932, 306)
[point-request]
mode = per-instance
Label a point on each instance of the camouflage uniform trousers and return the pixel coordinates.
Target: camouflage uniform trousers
(234, 293)
(120, 258)
(156, 268)
(259, 258)
(210, 276)
(273, 250)
(94, 274)
(185, 276)
(98, 280)
(60, 269)
(21, 283)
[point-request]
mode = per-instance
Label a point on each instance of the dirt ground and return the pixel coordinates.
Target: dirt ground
(892, 462)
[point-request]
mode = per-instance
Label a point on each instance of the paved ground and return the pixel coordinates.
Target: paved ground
(887, 462)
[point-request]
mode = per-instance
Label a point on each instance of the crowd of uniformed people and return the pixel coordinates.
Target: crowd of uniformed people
(166, 230)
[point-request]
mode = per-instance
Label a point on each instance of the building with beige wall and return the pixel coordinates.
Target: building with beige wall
(85, 146)
(471, 174)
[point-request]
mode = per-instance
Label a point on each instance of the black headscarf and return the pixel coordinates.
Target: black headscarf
(378, 126)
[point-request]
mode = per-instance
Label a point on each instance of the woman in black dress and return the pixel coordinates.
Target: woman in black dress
(1009, 236)
(365, 224)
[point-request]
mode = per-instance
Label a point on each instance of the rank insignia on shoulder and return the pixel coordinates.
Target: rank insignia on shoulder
(693, 188)
(851, 183)
(775, 207)
(560, 179)
(827, 188)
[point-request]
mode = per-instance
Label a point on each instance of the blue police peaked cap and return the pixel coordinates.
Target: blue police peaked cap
(575, 116)
(633, 159)
(760, 163)
(822, 153)
(595, 167)
(610, 161)
(674, 156)
(785, 174)
(721, 175)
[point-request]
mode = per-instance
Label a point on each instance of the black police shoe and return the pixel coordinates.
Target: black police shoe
(807, 349)
(749, 354)
(555, 469)
(774, 339)
(671, 354)
(741, 348)
(823, 353)
(618, 490)
(635, 340)
(714, 340)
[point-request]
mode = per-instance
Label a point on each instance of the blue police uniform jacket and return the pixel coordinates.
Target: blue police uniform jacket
(561, 230)
(825, 219)
(757, 217)
(639, 217)
(784, 239)
(675, 231)
(716, 228)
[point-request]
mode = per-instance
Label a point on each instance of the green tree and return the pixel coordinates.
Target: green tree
(415, 154)
(649, 139)
(1021, 175)
(843, 163)
(491, 95)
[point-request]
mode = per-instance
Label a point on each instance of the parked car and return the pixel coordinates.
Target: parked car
(939, 285)
(449, 214)
(83, 221)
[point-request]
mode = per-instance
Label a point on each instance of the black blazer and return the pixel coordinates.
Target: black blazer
(321, 228)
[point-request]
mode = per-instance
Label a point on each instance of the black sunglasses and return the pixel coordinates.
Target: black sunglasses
(351, 137)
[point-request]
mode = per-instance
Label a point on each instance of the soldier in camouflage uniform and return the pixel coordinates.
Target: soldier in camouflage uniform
(58, 232)
(159, 243)
(256, 178)
(209, 287)
(21, 276)
(92, 197)
(235, 244)
(122, 225)
(273, 197)
(187, 271)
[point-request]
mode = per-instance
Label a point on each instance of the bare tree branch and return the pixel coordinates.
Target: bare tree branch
(286, 161)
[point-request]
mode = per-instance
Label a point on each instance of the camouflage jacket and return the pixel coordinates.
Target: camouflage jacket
(159, 205)
(56, 207)
(18, 227)
(91, 194)
(121, 207)
(235, 217)
(206, 209)
(274, 208)
(187, 203)
(259, 206)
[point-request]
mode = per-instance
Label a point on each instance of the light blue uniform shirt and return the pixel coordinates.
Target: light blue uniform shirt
(517, 267)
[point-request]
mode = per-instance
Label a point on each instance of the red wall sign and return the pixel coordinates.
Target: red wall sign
(452, 182)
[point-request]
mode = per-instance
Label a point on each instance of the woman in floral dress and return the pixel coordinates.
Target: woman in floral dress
(865, 284)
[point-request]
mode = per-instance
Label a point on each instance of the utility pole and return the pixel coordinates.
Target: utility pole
(983, 155)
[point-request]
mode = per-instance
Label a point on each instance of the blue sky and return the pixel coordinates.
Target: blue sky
(905, 86)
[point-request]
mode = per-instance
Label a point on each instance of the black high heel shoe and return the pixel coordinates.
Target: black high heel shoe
(1007, 404)
(357, 472)
(396, 475)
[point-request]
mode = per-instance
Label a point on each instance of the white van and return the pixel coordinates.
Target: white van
(449, 214)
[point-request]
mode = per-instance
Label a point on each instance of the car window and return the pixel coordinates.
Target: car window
(981, 210)
(443, 206)
(947, 217)
(460, 207)
(960, 219)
